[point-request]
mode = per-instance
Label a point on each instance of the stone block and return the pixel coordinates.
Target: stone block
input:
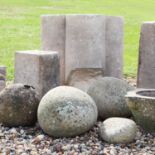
(2, 84)
(3, 71)
(39, 69)
(114, 46)
(146, 69)
(2, 77)
(53, 38)
(85, 42)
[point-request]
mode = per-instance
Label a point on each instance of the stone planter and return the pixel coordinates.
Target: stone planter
(141, 102)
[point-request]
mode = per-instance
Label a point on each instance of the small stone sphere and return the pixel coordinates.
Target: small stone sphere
(118, 130)
(18, 105)
(66, 111)
(109, 96)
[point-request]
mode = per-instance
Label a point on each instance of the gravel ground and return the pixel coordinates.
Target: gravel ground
(32, 141)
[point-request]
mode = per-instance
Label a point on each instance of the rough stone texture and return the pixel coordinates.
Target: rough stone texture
(114, 46)
(18, 105)
(118, 130)
(146, 70)
(85, 42)
(53, 38)
(66, 111)
(142, 105)
(39, 69)
(83, 78)
(2, 84)
(3, 71)
(2, 77)
(109, 96)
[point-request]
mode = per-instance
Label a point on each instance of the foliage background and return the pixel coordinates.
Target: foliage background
(20, 24)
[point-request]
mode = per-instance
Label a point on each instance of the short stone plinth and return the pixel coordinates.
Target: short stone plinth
(146, 70)
(2, 77)
(2, 85)
(141, 102)
(85, 41)
(39, 69)
(3, 71)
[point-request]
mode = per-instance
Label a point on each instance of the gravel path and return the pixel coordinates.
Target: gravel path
(32, 141)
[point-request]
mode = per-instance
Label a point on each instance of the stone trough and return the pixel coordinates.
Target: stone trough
(141, 102)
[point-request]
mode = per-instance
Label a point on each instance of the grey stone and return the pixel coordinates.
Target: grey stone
(114, 46)
(83, 78)
(109, 96)
(53, 38)
(3, 71)
(141, 102)
(18, 105)
(39, 69)
(85, 42)
(66, 111)
(118, 130)
(2, 77)
(146, 69)
(2, 84)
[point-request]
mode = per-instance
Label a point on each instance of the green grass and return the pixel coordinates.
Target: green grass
(20, 24)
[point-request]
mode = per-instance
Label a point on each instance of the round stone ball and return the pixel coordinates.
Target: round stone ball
(118, 130)
(109, 96)
(66, 111)
(18, 105)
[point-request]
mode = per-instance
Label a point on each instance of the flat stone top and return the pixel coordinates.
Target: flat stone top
(87, 15)
(149, 22)
(36, 52)
(2, 67)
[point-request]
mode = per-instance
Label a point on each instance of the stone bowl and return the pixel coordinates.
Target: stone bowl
(141, 102)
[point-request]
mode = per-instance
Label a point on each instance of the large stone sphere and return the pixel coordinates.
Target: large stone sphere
(109, 96)
(118, 130)
(18, 105)
(66, 111)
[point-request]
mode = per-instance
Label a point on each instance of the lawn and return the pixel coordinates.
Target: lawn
(20, 24)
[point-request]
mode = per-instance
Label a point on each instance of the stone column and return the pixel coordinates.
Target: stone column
(114, 46)
(39, 69)
(53, 38)
(146, 68)
(85, 42)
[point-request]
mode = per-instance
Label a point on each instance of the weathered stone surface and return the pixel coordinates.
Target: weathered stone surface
(109, 96)
(2, 84)
(146, 69)
(2, 77)
(83, 78)
(114, 46)
(141, 102)
(39, 69)
(3, 71)
(53, 34)
(94, 41)
(18, 105)
(85, 42)
(66, 111)
(118, 130)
